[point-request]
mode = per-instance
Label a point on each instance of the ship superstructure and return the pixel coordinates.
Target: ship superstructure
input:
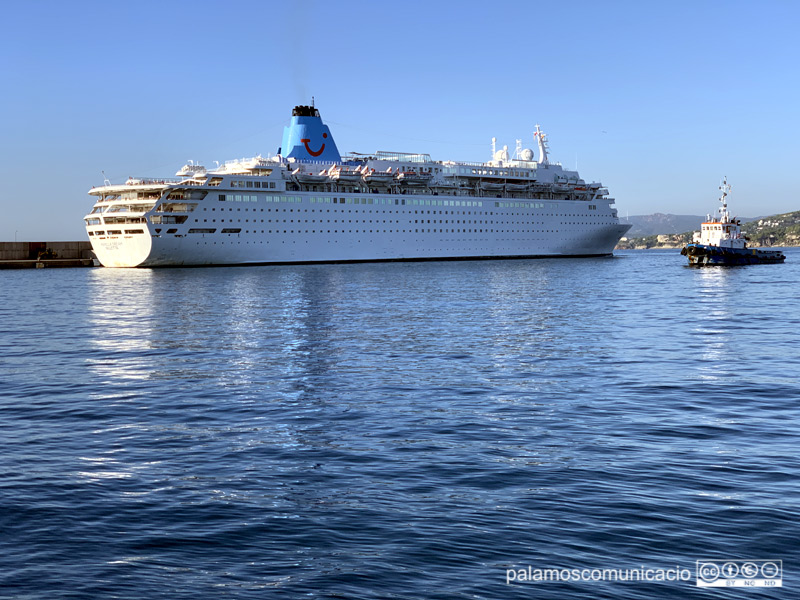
(310, 204)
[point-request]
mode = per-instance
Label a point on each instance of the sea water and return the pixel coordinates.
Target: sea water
(397, 430)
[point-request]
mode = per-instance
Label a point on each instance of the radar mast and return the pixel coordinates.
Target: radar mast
(724, 217)
(541, 138)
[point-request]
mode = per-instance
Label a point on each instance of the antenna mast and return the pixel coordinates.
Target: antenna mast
(723, 211)
(541, 137)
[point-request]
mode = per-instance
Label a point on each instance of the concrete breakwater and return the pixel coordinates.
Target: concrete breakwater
(33, 255)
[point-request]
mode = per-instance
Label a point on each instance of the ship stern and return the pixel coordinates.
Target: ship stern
(122, 251)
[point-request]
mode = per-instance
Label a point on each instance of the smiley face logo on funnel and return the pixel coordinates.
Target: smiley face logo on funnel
(312, 152)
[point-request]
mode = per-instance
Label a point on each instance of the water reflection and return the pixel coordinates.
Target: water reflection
(214, 348)
(122, 319)
(713, 327)
(268, 333)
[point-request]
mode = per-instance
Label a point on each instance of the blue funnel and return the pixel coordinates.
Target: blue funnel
(307, 138)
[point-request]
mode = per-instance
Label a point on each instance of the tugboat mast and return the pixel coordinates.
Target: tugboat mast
(723, 211)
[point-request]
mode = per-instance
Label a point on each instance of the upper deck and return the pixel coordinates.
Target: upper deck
(308, 161)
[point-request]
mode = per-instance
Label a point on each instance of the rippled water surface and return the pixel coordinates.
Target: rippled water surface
(408, 430)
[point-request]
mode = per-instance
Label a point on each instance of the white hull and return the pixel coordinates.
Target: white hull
(290, 232)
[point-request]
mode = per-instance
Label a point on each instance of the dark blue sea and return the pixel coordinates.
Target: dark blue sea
(397, 431)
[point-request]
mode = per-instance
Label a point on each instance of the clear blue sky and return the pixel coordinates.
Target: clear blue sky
(658, 100)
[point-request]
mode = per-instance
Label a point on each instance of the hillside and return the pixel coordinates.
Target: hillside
(660, 223)
(777, 230)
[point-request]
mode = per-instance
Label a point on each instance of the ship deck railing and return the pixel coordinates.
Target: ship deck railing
(414, 157)
(153, 181)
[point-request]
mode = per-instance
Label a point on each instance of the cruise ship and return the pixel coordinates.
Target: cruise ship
(309, 204)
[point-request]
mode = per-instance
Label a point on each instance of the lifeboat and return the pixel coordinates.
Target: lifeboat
(191, 170)
(447, 184)
(373, 177)
(340, 175)
(302, 177)
(413, 178)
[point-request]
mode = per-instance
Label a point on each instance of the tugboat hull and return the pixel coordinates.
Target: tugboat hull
(702, 255)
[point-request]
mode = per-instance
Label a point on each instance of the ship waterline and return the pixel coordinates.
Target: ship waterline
(309, 205)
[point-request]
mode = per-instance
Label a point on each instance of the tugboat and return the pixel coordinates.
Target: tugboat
(720, 241)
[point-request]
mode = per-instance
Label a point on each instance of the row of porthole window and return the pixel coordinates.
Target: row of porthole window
(382, 201)
(364, 221)
(314, 231)
(350, 221)
(415, 221)
(427, 212)
(253, 184)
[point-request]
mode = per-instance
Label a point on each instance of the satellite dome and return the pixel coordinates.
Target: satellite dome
(501, 155)
(526, 154)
